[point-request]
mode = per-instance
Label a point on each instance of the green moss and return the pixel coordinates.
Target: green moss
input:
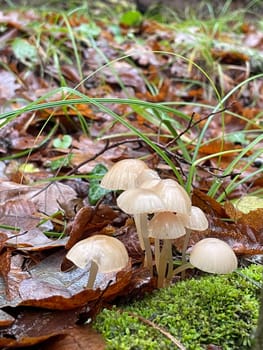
(219, 310)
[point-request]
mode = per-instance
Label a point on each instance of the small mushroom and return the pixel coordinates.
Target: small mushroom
(213, 255)
(147, 176)
(174, 196)
(105, 254)
(123, 174)
(139, 202)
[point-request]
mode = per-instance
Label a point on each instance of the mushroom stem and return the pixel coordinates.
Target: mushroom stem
(93, 271)
(183, 267)
(138, 223)
(142, 229)
(157, 253)
(185, 245)
(164, 261)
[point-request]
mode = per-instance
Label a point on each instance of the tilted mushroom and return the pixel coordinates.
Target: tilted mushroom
(139, 202)
(123, 174)
(174, 196)
(105, 254)
(147, 176)
(211, 255)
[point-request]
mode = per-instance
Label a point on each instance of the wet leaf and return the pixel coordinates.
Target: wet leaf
(89, 220)
(32, 327)
(19, 213)
(77, 338)
(5, 319)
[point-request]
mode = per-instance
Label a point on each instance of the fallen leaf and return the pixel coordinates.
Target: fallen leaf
(77, 338)
(32, 326)
(5, 319)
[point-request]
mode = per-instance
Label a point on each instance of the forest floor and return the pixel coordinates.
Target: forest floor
(82, 88)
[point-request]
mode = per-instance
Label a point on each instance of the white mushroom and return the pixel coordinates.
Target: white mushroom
(123, 174)
(174, 196)
(213, 255)
(104, 254)
(139, 202)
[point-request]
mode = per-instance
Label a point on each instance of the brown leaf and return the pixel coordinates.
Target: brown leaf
(77, 338)
(89, 220)
(207, 204)
(34, 240)
(127, 74)
(20, 213)
(8, 85)
(5, 319)
(45, 197)
(233, 56)
(57, 298)
(34, 326)
(25, 142)
(14, 277)
(219, 146)
(252, 219)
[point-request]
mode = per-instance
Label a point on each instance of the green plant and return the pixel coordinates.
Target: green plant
(219, 310)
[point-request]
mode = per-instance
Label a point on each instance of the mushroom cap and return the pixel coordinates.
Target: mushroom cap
(107, 252)
(167, 225)
(174, 196)
(213, 255)
(147, 175)
(197, 220)
(140, 201)
(122, 175)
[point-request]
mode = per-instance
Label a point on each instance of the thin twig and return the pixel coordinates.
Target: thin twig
(160, 329)
(193, 123)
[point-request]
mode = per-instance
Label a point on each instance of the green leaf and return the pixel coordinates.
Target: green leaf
(60, 162)
(97, 173)
(24, 51)
(63, 142)
(95, 190)
(131, 18)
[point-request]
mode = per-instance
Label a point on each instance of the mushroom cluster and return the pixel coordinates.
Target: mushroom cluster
(173, 215)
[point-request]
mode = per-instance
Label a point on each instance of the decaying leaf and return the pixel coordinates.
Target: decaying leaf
(77, 338)
(32, 327)
(89, 220)
(5, 319)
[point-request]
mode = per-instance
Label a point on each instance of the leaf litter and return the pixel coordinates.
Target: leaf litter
(42, 296)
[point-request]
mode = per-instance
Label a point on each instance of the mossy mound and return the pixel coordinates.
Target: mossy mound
(218, 310)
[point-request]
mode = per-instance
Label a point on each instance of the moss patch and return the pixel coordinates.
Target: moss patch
(219, 310)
